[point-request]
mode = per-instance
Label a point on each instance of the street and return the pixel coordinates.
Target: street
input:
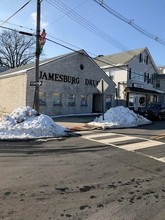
(85, 176)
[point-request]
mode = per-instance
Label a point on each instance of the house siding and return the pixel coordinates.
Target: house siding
(12, 92)
(135, 84)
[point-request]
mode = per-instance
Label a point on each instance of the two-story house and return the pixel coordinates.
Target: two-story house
(133, 72)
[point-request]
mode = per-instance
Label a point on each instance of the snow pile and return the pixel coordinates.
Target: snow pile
(24, 123)
(119, 117)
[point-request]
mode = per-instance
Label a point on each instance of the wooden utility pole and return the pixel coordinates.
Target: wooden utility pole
(36, 95)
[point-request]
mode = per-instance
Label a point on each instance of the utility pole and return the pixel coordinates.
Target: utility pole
(36, 95)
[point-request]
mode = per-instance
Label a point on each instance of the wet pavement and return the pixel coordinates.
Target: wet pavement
(74, 123)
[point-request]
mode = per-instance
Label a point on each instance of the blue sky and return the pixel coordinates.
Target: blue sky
(61, 28)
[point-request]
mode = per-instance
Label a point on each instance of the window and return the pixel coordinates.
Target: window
(83, 100)
(158, 83)
(148, 78)
(71, 100)
(138, 76)
(152, 79)
(131, 101)
(146, 60)
(42, 98)
(57, 99)
(129, 73)
(110, 73)
(145, 77)
(143, 59)
(108, 100)
(141, 100)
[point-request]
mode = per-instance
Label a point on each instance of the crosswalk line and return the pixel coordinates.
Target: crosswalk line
(90, 136)
(141, 145)
(162, 159)
(117, 139)
(120, 141)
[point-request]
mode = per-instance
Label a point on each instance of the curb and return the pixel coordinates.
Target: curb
(83, 128)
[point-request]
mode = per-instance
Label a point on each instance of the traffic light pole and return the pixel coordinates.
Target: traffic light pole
(36, 95)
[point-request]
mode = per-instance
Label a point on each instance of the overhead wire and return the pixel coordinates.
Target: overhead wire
(69, 11)
(96, 58)
(20, 26)
(69, 48)
(75, 16)
(130, 22)
(16, 12)
(85, 23)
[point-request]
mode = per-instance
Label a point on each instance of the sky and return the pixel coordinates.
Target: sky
(84, 24)
(24, 123)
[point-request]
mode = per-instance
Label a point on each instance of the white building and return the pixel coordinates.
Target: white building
(69, 86)
(133, 72)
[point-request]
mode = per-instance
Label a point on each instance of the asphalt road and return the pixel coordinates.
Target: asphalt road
(77, 178)
(156, 130)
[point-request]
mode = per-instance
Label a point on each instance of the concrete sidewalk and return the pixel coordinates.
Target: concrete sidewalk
(76, 123)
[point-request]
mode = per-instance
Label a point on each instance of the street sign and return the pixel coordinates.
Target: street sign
(36, 83)
(102, 86)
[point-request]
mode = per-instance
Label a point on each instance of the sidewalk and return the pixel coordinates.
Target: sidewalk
(77, 122)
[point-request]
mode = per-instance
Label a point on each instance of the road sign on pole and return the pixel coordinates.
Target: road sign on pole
(102, 86)
(36, 83)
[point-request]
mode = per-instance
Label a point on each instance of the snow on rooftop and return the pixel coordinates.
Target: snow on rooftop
(119, 117)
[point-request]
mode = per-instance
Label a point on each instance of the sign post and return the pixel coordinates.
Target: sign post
(36, 94)
(102, 86)
(36, 83)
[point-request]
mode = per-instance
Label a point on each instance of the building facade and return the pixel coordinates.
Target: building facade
(159, 81)
(69, 86)
(133, 72)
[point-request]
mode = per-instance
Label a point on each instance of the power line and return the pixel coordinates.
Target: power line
(16, 12)
(84, 22)
(69, 48)
(130, 22)
(88, 25)
(20, 26)
(20, 32)
(70, 11)
(97, 59)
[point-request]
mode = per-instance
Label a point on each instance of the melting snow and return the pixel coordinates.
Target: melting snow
(25, 123)
(120, 117)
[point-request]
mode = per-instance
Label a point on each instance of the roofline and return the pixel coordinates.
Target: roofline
(21, 72)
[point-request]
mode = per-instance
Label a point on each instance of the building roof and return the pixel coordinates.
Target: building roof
(30, 65)
(117, 59)
(23, 69)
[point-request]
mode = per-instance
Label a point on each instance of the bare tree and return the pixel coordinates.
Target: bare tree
(16, 49)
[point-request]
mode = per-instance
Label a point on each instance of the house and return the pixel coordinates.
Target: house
(133, 73)
(159, 81)
(69, 85)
